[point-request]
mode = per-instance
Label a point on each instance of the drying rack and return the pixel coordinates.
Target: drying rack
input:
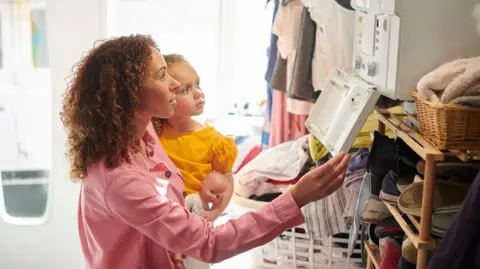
(422, 240)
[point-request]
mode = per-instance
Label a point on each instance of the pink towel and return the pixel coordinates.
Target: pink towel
(438, 79)
(467, 84)
(284, 126)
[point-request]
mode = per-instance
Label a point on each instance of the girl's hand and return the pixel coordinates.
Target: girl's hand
(321, 181)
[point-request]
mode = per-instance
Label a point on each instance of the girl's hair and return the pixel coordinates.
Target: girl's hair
(100, 106)
(170, 60)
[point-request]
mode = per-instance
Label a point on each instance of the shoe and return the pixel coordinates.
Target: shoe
(448, 198)
(459, 172)
(406, 159)
(404, 182)
(380, 161)
(441, 222)
(388, 228)
(404, 264)
(409, 252)
(409, 256)
(390, 192)
(391, 254)
(372, 236)
(375, 212)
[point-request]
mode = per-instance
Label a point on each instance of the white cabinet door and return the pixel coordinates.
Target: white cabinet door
(340, 111)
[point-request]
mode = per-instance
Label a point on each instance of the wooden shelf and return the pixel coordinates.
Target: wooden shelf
(414, 237)
(416, 141)
(412, 138)
(373, 256)
(422, 240)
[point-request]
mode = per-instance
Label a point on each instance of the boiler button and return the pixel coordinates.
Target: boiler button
(371, 69)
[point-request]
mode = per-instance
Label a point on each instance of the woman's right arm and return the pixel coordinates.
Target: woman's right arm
(135, 200)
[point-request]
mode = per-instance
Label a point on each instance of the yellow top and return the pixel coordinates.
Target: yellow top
(318, 151)
(196, 154)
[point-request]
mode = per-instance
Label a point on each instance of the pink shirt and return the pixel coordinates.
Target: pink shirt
(129, 217)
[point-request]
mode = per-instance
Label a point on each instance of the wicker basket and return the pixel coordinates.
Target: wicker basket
(448, 126)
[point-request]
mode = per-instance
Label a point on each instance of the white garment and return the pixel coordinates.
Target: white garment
(282, 162)
(334, 39)
(191, 263)
(287, 27)
(194, 203)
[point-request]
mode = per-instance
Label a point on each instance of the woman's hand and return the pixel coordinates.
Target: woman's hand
(321, 181)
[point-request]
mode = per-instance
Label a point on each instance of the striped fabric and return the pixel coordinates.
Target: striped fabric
(325, 217)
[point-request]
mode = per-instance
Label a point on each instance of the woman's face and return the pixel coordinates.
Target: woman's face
(158, 98)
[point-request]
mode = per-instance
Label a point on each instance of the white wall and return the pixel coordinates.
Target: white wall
(73, 27)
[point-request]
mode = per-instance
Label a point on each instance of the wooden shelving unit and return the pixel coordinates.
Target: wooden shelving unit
(422, 240)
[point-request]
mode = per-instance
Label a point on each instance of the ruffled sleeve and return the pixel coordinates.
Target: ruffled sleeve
(224, 155)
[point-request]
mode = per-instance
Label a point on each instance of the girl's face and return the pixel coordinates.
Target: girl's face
(158, 97)
(190, 98)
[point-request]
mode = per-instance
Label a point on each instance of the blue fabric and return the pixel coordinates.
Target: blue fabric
(269, 102)
(272, 58)
(358, 161)
(265, 140)
(272, 50)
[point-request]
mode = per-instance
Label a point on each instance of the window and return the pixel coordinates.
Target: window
(25, 114)
(226, 41)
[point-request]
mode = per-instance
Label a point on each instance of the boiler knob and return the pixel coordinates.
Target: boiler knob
(371, 69)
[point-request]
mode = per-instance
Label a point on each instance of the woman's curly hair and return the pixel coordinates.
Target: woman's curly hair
(101, 104)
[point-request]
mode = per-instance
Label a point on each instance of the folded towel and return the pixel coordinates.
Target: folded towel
(472, 101)
(438, 79)
(466, 84)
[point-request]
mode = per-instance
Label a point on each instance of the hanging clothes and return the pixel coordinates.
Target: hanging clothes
(288, 27)
(301, 87)
(333, 41)
(284, 126)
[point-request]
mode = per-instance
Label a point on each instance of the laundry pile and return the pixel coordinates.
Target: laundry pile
(273, 170)
(455, 82)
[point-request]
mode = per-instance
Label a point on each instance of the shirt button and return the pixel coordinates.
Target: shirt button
(151, 153)
(168, 174)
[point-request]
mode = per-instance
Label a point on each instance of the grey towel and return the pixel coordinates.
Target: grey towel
(473, 101)
(301, 87)
(279, 76)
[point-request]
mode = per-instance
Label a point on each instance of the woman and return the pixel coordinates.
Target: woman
(130, 207)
